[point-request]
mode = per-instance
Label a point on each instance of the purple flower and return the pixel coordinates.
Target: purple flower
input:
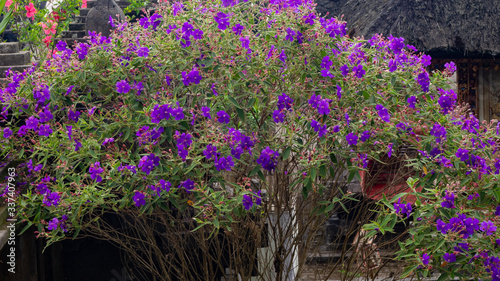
(396, 44)
(95, 172)
(441, 226)
(393, 66)
(423, 80)
(403, 127)
(45, 116)
(284, 102)
(223, 163)
(450, 67)
(183, 142)
(426, 60)
(70, 88)
(258, 198)
(450, 257)
(197, 34)
(32, 123)
(389, 153)
(78, 145)
(142, 52)
(238, 28)
(488, 227)
(188, 185)
(314, 100)
(270, 53)
(268, 159)
(278, 116)
(82, 50)
(425, 259)
(445, 162)
(107, 140)
(352, 139)
(358, 71)
(51, 199)
(449, 200)
(45, 130)
(74, 115)
(223, 117)
(497, 211)
(122, 87)
(111, 22)
(91, 111)
(54, 223)
(223, 20)
(247, 202)
(42, 95)
(439, 132)
(61, 46)
(462, 154)
(383, 113)
(321, 130)
(194, 76)
(165, 185)
(245, 42)
(290, 34)
(206, 112)
(323, 107)
(411, 101)
(210, 151)
(461, 247)
(309, 18)
(447, 100)
(282, 56)
(339, 92)
(344, 69)
(148, 163)
(139, 199)
(177, 7)
(365, 136)
(7, 132)
(401, 208)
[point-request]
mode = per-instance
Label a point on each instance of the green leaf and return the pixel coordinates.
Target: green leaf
(351, 175)
(251, 102)
(126, 134)
(26, 228)
(408, 271)
(443, 277)
(313, 173)
(261, 175)
(333, 158)
(76, 232)
(322, 171)
(233, 101)
(254, 171)
(241, 114)
(330, 207)
(286, 153)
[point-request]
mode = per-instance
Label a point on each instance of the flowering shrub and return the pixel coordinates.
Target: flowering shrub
(184, 110)
(38, 28)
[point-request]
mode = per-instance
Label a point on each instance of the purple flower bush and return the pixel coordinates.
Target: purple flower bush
(214, 104)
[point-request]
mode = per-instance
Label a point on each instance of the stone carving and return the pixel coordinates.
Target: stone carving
(98, 17)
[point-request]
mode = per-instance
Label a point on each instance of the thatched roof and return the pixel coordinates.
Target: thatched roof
(457, 27)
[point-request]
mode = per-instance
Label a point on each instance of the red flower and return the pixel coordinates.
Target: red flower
(30, 11)
(47, 40)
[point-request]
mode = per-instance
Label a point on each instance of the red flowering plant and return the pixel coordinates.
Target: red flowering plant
(227, 117)
(38, 28)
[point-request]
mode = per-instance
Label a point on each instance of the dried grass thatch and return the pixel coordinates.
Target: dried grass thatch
(461, 27)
